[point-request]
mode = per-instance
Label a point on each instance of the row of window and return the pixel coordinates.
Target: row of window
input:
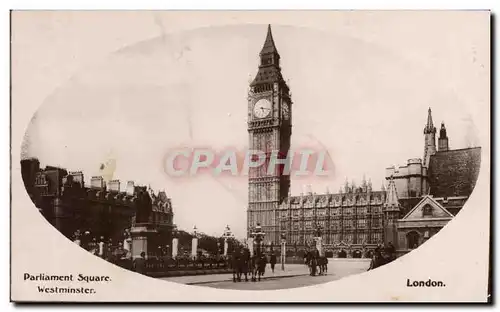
(332, 212)
(262, 88)
(348, 238)
(347, 224)
(161, 218)
(262, 192)
(308, 204)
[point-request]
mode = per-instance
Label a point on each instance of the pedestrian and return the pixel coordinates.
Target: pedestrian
(101, 247)
(77, 240)
(85, 240)
(272, 261)
(140, 264)
(262, 265)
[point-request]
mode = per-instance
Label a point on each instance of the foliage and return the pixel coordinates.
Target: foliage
(206, 242)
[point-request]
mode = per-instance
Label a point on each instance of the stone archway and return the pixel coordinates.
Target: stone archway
(412, 239)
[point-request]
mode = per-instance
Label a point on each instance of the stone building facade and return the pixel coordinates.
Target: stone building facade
(103, 209)
(420, 197)
(351, 220)
(445, 182)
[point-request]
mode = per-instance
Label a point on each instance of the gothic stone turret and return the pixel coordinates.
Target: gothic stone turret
(391, 214)
(443, 139)
(430, 139)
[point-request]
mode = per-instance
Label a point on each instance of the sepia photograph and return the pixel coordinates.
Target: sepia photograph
(249, 151)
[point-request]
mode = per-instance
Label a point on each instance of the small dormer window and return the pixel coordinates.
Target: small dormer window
(427, 210)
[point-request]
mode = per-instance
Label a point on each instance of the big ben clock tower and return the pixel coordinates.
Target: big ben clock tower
(269, 129)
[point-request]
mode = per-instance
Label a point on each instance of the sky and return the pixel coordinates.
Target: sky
(362, 95)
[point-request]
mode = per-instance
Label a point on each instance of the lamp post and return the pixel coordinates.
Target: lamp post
(227, 235)
(283, 251)
(175, 243)
(258, 236)
(194, 244)
(218, 250)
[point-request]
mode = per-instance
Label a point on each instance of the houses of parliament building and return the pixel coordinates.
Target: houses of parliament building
(419, 199)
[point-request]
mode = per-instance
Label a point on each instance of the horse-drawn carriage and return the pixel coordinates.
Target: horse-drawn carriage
(317, 264)
(243, 263)
(382, 256)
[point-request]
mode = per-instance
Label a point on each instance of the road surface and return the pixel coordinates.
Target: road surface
(294, 276)
(276, 283)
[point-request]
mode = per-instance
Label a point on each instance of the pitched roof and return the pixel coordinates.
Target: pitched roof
(427, 200)
(267, 75)
(454, 172)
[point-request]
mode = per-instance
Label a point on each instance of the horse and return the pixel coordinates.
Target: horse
(313, 261)
(258, 266)
(235, 265)
(245, 263)
(240, 262)
(321, 262)
(325, 264)
(313, 266)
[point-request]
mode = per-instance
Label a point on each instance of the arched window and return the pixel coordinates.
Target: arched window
(412, 239)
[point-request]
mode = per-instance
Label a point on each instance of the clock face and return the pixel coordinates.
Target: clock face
(285, 110)
(262, 108)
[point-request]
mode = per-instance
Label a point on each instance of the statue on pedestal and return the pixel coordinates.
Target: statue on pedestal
(143, 205)
(141, 232)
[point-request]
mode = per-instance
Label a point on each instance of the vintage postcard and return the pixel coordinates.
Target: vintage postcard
(232, 156)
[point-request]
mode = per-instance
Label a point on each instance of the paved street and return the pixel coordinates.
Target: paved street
(276, 283)
(295, 275)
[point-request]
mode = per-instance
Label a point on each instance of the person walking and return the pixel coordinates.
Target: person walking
(101, 247)
(272, 260)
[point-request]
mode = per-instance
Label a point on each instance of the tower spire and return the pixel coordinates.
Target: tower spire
(269, 67)
(430, 125)
(392, 195)
(430, 139)
(269, 46)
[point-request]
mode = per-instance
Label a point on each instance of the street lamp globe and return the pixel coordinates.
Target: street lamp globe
(258, 235)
